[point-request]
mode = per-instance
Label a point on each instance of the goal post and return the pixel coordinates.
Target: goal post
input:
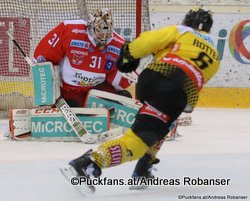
(30, 20)
(131, 17)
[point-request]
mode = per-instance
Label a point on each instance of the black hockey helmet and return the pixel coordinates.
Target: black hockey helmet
(199, 19)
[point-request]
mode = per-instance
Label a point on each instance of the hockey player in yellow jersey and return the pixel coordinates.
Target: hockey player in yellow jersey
(184, 60)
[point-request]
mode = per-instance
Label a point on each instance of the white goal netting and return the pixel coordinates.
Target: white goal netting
(30, 20)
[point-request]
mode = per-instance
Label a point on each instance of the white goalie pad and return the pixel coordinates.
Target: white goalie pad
(50, 125)
(46, 89)
(20, 123)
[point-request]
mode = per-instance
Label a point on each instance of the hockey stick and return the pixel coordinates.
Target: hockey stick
(80, 130)
(68, 114)
(29, 61)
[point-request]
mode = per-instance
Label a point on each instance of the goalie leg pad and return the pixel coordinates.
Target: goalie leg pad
(115, 152)
(123, 111)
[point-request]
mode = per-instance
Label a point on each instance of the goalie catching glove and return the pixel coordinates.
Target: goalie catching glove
(126, 63)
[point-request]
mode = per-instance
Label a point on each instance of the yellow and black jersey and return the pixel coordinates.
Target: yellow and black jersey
(179, 47)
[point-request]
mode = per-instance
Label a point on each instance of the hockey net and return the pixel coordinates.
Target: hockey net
(30, 20)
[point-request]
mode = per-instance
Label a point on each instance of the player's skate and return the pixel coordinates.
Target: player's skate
(83, 168)
(143, 171)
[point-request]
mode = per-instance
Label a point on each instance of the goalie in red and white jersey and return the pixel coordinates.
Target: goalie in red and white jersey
(86, 52)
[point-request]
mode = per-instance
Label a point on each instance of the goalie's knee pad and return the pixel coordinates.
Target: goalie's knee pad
(114, 152)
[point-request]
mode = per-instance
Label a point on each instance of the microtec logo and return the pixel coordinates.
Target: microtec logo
(43, 85)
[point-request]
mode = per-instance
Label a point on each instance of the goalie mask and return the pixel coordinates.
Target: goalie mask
(101, 26)
(199, 19)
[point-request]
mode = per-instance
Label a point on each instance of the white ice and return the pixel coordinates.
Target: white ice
(217, 145)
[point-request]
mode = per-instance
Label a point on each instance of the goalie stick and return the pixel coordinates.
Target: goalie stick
(80, 130)
(29, 61)
(69, 115)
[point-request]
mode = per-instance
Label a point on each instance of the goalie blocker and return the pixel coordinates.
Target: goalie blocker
(46, 90)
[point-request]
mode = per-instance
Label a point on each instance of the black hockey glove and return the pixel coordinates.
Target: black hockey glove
(126, 63)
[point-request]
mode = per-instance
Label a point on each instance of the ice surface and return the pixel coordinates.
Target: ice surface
(217, 145)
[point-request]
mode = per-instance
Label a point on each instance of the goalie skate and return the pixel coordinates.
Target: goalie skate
(69, 173)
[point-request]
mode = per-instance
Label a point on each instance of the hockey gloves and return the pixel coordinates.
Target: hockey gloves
(126, 63)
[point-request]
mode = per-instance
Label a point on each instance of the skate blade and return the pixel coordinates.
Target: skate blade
(68, 173)
(137, 187)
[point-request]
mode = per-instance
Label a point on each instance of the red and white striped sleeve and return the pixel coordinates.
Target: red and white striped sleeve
(117, 80)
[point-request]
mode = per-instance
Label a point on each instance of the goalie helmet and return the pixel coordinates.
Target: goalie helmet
(100, 25)
(199, 19)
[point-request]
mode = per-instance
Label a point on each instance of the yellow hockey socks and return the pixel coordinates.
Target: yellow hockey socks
(114, 152)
